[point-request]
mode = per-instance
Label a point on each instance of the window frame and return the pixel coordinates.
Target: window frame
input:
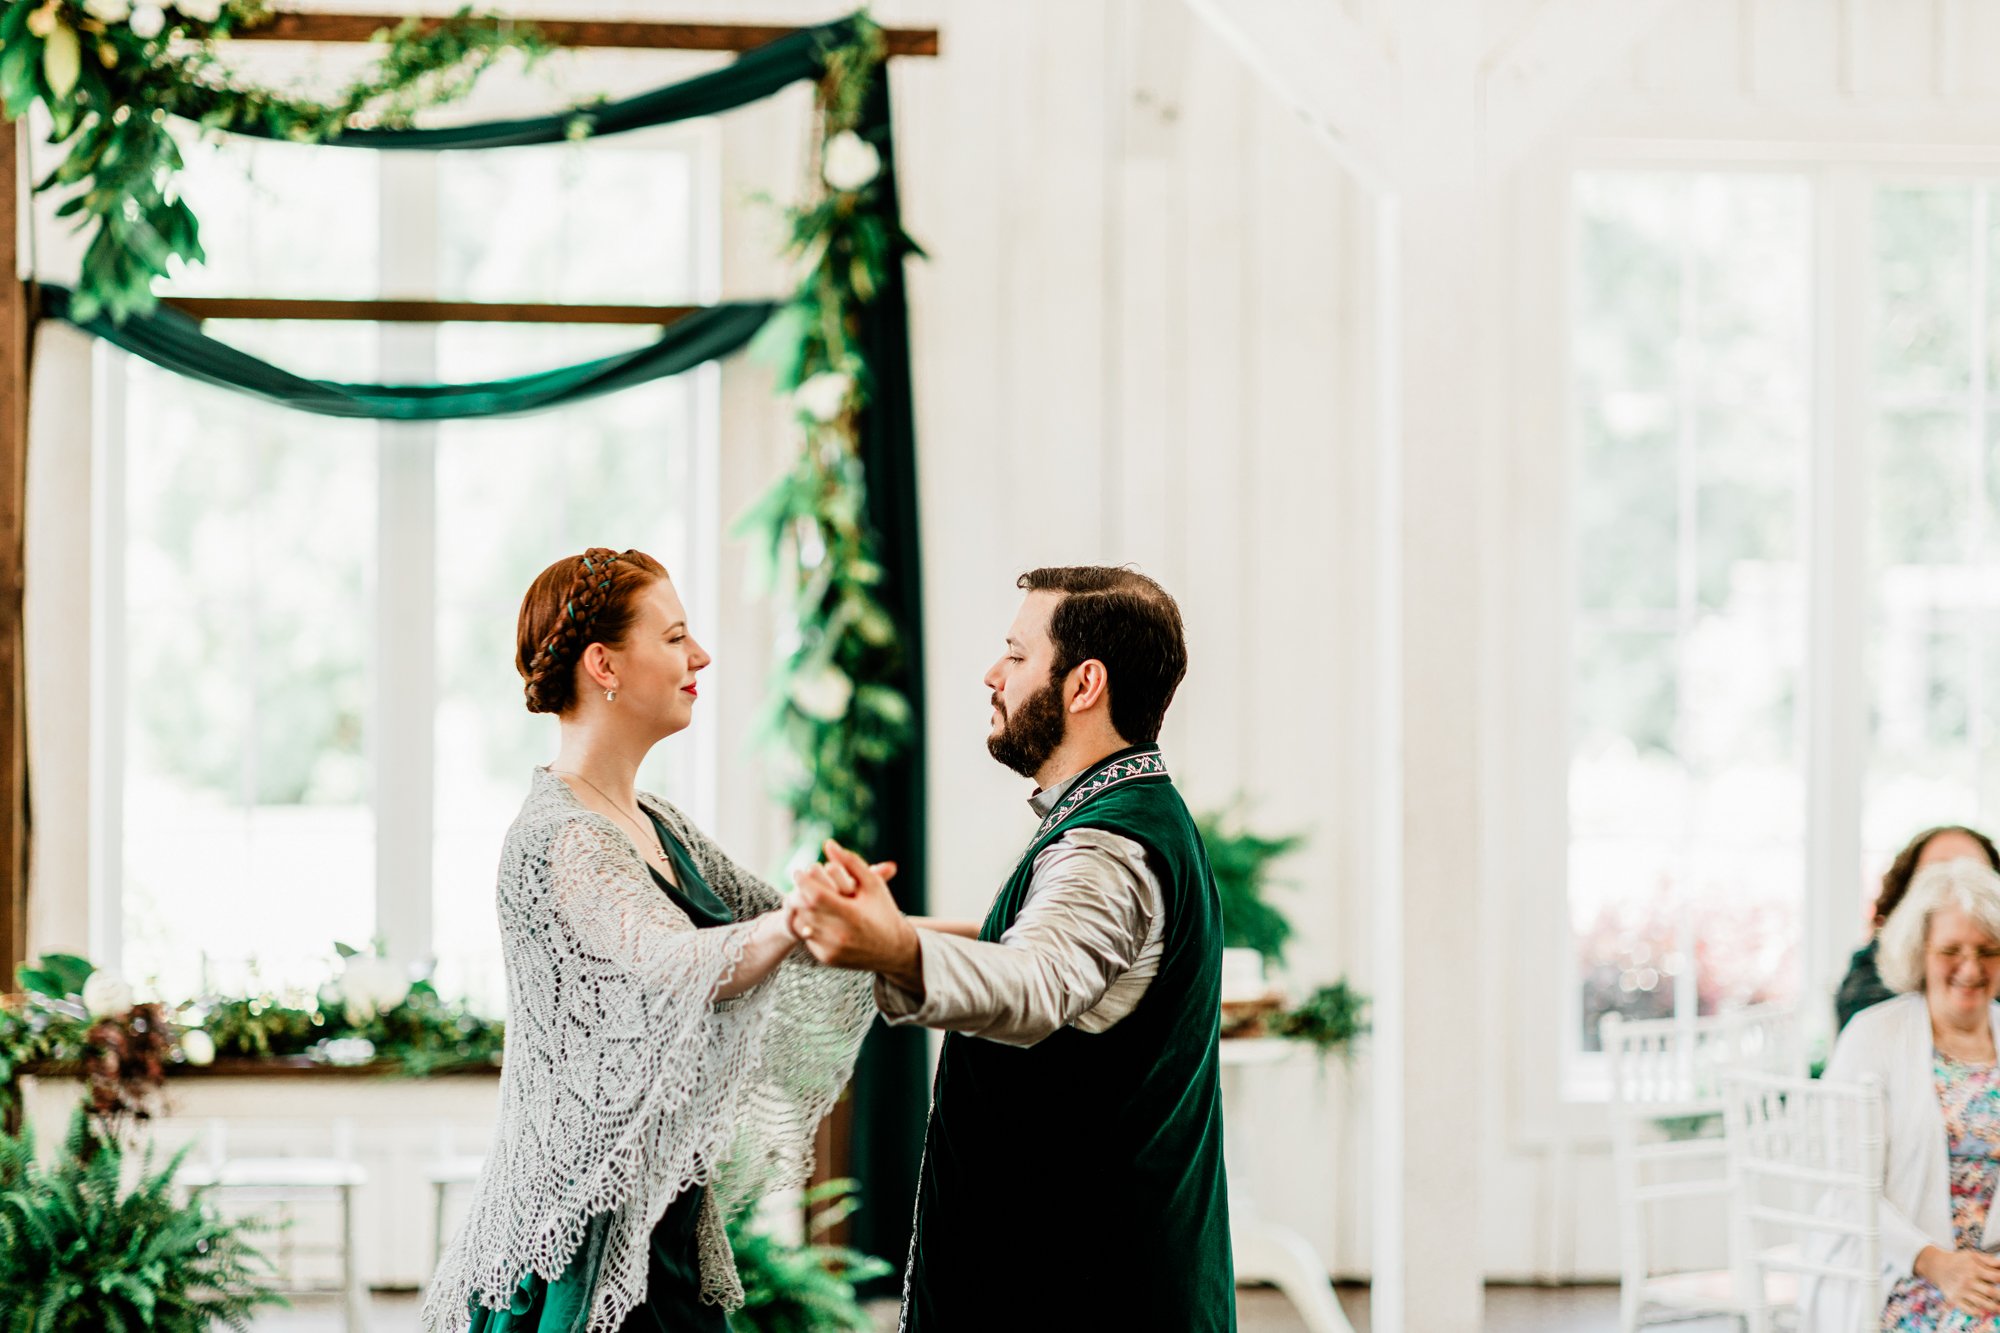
(401, 722)
(1835, 690)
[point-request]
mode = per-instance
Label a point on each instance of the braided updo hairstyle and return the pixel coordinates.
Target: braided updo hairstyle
(577, 601)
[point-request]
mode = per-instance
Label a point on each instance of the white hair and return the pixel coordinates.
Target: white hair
(1966, 884)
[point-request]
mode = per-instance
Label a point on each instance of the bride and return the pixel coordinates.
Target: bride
(670, 1050)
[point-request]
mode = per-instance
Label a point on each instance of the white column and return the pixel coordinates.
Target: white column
(1427, 1273)
(405, 664)
(1836, 685)
(57, 616)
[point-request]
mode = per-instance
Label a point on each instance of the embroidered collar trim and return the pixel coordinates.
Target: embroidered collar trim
(1126, 766)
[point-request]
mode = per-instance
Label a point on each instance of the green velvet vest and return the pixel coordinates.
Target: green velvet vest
(1078, 1184)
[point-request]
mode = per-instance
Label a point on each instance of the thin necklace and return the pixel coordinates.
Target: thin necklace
(646, 844)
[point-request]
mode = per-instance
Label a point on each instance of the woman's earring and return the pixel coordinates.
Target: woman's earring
(611, 696)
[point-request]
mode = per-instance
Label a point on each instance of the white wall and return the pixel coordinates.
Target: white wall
(1142, 336)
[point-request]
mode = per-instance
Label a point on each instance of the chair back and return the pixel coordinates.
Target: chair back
(1805, 1175)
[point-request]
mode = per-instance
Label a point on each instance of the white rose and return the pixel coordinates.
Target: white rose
(148, 22)
(850, 163)
(197, 1047)
(201, 11)
(108, 11)
(822, 396)
(369, 985)
(105, 995)
(347, 1050)
(823, 694)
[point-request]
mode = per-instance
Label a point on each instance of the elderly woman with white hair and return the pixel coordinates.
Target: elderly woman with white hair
(1933, 1049)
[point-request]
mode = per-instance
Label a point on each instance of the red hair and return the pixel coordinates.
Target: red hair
(577, 601)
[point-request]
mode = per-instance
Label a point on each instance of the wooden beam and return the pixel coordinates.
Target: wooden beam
(630, 35)
(425, 312)
(1331, 71)
(1536, 75)
(16, 327)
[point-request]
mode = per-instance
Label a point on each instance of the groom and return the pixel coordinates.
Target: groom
(1072, 1175)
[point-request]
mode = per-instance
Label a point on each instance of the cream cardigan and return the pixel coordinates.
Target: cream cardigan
(1892, 1041)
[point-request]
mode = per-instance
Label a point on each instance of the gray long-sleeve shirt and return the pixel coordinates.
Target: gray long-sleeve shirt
(1081, 952)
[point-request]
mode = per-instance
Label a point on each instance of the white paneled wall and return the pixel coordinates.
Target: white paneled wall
(1143, 335)
(1135, 342)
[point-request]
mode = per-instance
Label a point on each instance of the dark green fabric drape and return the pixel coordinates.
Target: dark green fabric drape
(752, 77)
(890, 1085)
(172, 340)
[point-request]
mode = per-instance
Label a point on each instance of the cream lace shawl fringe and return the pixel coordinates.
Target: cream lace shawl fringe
(624, 1081)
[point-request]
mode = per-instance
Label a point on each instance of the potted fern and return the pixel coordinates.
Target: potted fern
(1241, 861)
(81, 1252)
(805, 1288)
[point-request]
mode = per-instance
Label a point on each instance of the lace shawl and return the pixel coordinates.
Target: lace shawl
(624, 1080)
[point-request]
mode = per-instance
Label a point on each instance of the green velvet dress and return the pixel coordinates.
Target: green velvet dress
(673, 1270)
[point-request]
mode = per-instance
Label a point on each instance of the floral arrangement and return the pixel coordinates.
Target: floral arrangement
(71, 1014)
(833, 715)
(114, 73)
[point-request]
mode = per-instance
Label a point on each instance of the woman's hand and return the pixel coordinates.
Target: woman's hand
(1969, 1279)
(772, 937)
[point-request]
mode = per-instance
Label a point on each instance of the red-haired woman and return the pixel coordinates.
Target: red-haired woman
(669, 1050)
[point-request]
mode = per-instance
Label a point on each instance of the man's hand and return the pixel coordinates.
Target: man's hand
(844, 914)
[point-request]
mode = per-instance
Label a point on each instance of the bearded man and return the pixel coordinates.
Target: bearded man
(1073, 1175)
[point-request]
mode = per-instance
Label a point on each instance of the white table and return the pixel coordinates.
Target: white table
(1266, 1251)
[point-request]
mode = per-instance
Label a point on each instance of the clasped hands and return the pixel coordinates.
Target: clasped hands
(842, 911)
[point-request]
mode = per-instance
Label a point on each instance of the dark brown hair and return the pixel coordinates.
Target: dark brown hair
(1896, 879)
(1117, 616)
(577, 601)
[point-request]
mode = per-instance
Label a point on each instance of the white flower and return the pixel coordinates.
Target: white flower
(823, 695)
(347, 1050)
(106, 995)
(148, 22)
(824, 395)
(197, 1047)
(369, 985)
(108, 11)
(850, 162)
(201, 11)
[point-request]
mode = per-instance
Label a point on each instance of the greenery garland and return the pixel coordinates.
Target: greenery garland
(113, 73)
(72, 1015)
(833, 719)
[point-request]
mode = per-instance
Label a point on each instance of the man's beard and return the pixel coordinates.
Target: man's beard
(1029, 736)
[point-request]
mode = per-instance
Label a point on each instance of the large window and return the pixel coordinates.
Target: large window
(1934, 504)
(1715, 321)
(1692, 407)
(307, 638)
